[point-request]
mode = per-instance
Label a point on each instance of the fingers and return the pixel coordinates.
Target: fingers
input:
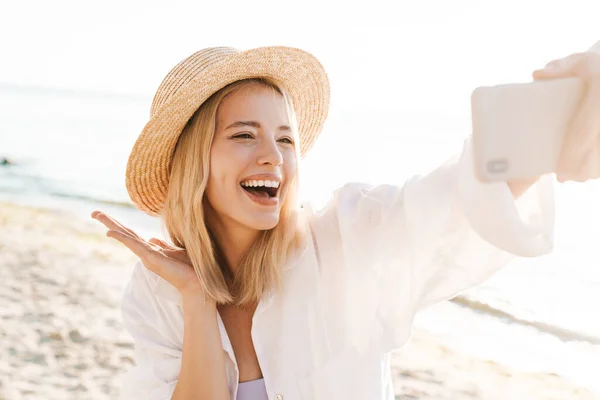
(559, 68)
(153, 259)
(593, 162)
(169, 262)
(589, 168)
(136, 246)
(575, 148)
(172, 251)
(113, 224)
(583, 134)
(578, 160)
(161, 243)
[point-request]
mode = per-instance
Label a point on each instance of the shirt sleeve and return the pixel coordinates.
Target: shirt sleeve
(406, 247)
(157, 348)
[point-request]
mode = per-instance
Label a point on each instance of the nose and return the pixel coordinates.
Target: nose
(270, 154)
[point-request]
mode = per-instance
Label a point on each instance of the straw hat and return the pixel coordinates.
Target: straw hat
(193, 81)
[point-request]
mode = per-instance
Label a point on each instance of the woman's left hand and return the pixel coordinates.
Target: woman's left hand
(580, 157)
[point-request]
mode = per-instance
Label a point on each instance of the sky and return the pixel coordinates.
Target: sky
(129, 45)
(398, 69)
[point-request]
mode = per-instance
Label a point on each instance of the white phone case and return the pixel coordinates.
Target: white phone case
(519, 128)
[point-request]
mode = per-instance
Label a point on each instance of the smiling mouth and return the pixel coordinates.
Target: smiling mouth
(261, 191)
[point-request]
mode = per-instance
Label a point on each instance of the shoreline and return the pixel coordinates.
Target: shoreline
(61, 281)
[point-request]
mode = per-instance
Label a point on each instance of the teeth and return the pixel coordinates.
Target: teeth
(253, 183)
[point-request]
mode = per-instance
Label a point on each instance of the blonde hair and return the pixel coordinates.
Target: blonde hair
(184, 213)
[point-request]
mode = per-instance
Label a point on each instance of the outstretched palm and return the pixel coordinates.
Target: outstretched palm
(168, 261)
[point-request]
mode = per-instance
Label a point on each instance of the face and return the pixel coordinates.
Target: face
(252, 159)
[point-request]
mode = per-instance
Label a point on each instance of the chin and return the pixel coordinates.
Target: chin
(264, 224)
(260, 221)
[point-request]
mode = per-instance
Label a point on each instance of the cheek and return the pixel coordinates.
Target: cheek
(289, 170)
(226, 166)
(290, 166)
(212, 193)
(215, 188)
(220, 165)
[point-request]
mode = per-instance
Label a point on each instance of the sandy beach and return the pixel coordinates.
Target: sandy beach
(62, 337)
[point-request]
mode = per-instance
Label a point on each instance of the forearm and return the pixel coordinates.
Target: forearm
(203, 374)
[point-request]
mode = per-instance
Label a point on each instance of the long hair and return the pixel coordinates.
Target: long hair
(184, 212)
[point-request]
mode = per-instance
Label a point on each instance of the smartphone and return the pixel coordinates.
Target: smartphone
(519, 128)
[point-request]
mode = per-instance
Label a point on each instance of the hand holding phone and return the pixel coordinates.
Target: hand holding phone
(519, 129)
(522, 131)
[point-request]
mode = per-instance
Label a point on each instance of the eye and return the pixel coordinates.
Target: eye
(244, 135)
(287, 140)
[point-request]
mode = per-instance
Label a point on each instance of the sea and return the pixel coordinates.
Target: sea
(68, 150)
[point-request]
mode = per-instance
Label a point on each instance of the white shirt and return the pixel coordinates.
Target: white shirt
(378, 255)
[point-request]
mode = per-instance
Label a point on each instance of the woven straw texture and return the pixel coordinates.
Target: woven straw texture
(193, 81)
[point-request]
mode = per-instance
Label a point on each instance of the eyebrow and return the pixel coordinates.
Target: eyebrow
(254, 124)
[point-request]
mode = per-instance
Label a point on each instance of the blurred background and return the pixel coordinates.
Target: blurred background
(76, 83)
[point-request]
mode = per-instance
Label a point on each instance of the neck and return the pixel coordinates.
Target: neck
(234, 243)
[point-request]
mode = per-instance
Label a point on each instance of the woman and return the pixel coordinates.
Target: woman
(260, 298)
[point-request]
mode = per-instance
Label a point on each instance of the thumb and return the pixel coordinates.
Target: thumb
(560, 68)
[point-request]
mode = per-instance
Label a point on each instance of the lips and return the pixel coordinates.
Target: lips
(261, 197)
(262, 191)
(263, 188)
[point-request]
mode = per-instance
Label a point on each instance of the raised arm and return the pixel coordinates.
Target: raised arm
(202, 373)
(178, 356)
(404, 247)
(169, 366)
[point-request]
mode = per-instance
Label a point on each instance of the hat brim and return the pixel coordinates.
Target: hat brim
(297, 71)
